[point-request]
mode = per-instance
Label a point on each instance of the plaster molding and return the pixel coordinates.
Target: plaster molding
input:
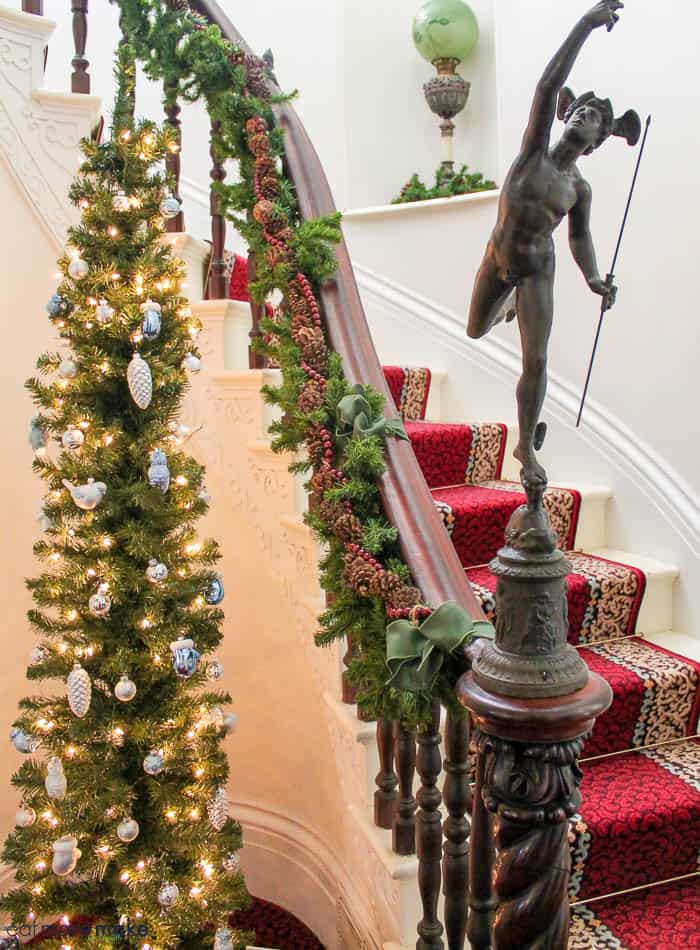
(432, 205)
(661, 485)
(40, 131)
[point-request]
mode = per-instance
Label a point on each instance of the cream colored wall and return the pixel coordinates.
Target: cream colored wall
(28, 258)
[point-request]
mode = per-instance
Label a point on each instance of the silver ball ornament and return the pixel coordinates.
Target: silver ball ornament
(68, 369)
(168, 895)
(125, 690)
(24, 743)
(78, 268)
(215, 670)
(156, 572)
(153, 764)
(232, 863)
(25, 817)
(128, 830)
(100, 602)
(214, 591)
(120, 202)
(170, 207)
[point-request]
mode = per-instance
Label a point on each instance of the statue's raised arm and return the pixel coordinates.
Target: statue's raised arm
(544, 106)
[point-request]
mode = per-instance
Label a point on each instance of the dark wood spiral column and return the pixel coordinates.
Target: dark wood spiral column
(429, 833)
(385, 796)
(218, 285)
(457, 797)
(80, 79)
(404, 826)
(257, 310)
(481, 898)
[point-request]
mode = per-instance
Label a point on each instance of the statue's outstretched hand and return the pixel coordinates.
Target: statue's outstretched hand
(604, 289)
(603, 14)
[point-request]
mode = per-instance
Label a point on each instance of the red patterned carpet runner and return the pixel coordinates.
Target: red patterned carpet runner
(665, 918)
(454, 454)
(410, 388)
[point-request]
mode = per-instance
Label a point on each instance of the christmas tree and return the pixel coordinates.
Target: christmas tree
(123, 817)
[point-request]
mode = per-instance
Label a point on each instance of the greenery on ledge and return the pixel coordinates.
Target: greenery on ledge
(462, 182)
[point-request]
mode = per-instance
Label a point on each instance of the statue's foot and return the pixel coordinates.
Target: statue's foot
(532, 475)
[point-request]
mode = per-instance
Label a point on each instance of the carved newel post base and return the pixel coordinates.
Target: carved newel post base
(530, 656)
(528, 751)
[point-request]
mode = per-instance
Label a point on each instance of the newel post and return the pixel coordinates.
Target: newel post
(533, 704)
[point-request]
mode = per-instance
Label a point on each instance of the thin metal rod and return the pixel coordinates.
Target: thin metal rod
(611, 276)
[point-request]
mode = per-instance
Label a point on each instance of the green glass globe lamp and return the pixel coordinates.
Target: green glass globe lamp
(445, 32)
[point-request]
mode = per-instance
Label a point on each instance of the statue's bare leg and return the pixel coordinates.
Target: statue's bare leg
(535, 312)
(489, 299)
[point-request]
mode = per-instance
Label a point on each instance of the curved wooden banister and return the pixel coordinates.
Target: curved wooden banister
(425, 545)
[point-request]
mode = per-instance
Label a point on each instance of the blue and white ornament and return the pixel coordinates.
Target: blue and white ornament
(120, 201)
(214, 591)
(24, 743)
(170, 207)
(100, 603)
(37, 436)
(153, 764)
(58, 306)
(223, 939)
(72, 439)
(87, 497)
(158, 471)
(150, 328)
(215, 670)
(185, 658)
(156, 572)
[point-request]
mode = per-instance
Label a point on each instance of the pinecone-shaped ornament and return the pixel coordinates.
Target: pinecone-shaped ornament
(217, 809)
(138, 376)
(358, 574)
(79, 691)
(404, 597)
(311, 396)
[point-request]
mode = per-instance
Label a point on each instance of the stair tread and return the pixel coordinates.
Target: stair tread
(639, 820)
(452, 453)
(656, 695)
(650, 566)
(667, 917)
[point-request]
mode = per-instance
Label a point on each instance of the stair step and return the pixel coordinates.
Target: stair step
(656, 695)
(656, 614)
(476, 516)
(639, 822)
(667, 917)
(452, 453)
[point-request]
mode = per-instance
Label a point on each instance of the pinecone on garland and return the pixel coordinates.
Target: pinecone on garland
(257, 82)
(358, 575)
(316, 355)
(306, 334)
(278, 254)
(269, 216)
(300, 320)
(348, 527)
(311, 396)
(385, 583)
(270, 187)
(316, 450)
(324, 480)
(265, 165)
(259, 144)
(256, 125)
(330, 511)
(404, 597)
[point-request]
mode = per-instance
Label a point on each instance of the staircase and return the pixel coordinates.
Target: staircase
(636, 840)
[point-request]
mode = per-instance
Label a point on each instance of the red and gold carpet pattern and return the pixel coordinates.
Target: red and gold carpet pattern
(665, 918)
(454, 454)
(410, 388)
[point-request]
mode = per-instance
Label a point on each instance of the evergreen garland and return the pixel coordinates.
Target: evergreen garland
(462, 182)
(362, 571)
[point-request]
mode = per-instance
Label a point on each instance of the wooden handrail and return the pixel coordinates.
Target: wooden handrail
(425, 545)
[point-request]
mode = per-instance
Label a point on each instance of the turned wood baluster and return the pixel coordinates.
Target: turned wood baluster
(385, 796)
(218, 285)
(457, 797)
(349, 690)
(481, 897)
(429, 833)
(172, 161)
(404, 827)
(33, 6)
(255, 360)
(80, 79)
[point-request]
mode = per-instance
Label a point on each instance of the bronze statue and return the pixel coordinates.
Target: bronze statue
(542, 187)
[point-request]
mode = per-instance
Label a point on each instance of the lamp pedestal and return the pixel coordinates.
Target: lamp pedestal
(447, 95)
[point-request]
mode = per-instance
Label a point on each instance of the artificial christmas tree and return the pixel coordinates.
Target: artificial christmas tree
(123, 817)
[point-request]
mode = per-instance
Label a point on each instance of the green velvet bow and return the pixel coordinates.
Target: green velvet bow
(415, 654)
(356, 419)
